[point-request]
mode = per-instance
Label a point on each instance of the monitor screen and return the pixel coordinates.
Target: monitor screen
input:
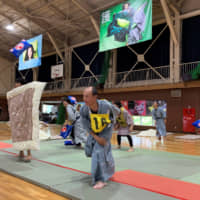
(49, 108)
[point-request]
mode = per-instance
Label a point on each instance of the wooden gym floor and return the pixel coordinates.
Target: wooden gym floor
(12, 188)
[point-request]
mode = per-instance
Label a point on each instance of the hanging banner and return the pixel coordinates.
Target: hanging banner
(140, 108)
(126, 24)
(56, 71)
(31, 57)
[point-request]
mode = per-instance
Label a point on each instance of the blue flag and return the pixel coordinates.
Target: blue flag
(196, 123)
(20, 47)
(72, 100)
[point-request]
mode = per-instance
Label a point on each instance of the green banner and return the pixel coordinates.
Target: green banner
(126, 24)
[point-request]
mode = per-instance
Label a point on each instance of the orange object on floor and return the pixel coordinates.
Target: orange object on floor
(4, 145)
(165, 186)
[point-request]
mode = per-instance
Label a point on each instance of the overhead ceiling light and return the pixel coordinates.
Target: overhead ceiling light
(10, 27)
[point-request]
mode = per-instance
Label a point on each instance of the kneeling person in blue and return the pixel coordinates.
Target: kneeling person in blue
(73, 118)
(98, 117)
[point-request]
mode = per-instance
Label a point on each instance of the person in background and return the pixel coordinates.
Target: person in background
(73, 118)
(124, 124)
(61, 113)
(78, 107)
(160, 120)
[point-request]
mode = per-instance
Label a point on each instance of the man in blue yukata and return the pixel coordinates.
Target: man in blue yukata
(98, 117)
(160, 120)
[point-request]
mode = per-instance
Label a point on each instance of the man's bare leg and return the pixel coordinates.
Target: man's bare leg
(28, 157)
(21, 155)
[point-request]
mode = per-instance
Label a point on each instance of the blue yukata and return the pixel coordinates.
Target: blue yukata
(159, 116)
(103, 166)
(74, 118)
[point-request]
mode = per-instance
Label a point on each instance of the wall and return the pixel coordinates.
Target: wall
(6, 75)
(175, 105)
(6, 82)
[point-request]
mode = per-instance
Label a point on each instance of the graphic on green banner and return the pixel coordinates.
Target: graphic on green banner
(126, 24)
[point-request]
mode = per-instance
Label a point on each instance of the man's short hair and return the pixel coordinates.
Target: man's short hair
(94, 91)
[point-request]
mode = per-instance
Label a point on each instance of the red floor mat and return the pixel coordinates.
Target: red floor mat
(4, 145)
(166, 186)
